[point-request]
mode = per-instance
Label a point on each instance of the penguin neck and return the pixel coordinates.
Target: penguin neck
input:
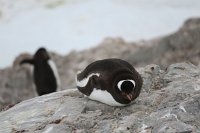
(40, 62)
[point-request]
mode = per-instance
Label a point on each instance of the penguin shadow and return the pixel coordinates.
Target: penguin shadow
(45, 75)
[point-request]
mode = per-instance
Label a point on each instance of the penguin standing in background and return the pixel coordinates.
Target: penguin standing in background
(111, 81)
(45, 74)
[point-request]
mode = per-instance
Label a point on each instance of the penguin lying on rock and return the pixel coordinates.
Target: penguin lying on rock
(111, 81)
(45, 74)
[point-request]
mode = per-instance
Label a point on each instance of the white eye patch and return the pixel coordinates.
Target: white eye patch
(120, 83)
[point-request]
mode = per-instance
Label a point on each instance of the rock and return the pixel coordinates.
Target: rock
(172, 108)
(173, 127)
(19, 58)
(13, 90)
(152, 79)
(183, 45)
(34, 114)
(192, 105)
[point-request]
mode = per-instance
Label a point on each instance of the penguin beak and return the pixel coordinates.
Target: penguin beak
(128, 96)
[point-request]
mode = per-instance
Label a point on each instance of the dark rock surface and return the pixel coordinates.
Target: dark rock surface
(173, 107)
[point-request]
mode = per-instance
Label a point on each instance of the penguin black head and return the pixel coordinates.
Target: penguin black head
(41, 54)
(111, 81)
(126, 87)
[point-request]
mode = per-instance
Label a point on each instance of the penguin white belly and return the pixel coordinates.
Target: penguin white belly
(104, 97)
(54, 69)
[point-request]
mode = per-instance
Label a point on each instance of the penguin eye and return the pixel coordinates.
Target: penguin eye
(126, 85)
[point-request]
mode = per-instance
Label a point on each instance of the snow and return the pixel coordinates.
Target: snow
(25, 25)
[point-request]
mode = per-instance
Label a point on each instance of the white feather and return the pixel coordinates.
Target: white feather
(83, 82)
(54, 69)
(104, 97)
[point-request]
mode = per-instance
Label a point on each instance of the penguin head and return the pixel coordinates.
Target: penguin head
(127, 86)
(41, 55)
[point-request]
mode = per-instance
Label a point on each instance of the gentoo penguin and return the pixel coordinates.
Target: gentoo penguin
(45, 74)
(111, 81)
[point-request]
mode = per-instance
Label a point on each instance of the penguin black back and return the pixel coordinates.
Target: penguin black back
(45, 77)
(111, 81)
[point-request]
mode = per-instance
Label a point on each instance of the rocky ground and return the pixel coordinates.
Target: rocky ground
(169, 103)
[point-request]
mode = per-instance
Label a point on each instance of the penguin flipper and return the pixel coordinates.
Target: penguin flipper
(28, 61)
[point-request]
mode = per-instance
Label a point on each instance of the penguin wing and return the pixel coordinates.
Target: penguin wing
(28, 61)
(83, 81)
(86, 84)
